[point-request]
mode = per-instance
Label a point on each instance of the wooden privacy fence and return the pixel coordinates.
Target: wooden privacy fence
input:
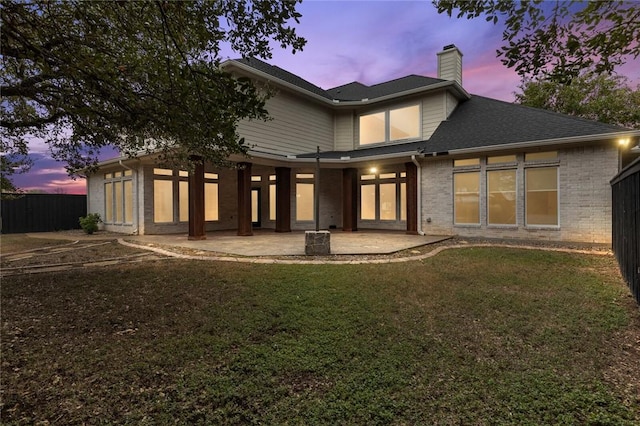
(41, 212)
(625, 189)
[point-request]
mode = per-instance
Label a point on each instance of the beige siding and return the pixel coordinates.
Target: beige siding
(450, 66)
(344, 131)
(433, 112)
(297, 126)
(452, 103)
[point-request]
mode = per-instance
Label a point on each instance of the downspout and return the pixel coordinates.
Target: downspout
(419, 200)
(134, 196)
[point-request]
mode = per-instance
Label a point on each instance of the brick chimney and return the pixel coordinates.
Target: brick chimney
(450, 64)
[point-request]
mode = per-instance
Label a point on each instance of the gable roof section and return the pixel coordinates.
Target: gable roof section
(484, 122)
(354, 91)
(357, 91)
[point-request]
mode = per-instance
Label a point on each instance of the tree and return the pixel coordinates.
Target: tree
(558, 39)
(10, 165)
(136, 75)
(608, 99)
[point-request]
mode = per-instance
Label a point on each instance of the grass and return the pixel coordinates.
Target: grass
(471, 336)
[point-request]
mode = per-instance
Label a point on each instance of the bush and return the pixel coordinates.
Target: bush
(90, 222)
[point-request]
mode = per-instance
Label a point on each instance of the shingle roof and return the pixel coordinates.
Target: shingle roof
(475, 123)
(481, 121)
(283, 75)
(354, 91)
(357, 91)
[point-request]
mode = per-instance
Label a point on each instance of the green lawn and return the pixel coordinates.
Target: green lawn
(471, 336)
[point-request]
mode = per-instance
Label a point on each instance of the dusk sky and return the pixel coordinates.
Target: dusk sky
(366, 41)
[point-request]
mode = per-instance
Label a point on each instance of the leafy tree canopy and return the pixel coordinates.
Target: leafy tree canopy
(86, 74)
(608, 99)
(561, 38)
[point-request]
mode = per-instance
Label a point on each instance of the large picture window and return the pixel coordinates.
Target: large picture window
(466, 187)
(390, 125)
(501, 197)
(541, 196)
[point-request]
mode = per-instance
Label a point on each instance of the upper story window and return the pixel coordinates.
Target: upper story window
(390, 125)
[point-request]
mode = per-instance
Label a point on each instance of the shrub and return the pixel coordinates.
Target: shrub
(90, 222)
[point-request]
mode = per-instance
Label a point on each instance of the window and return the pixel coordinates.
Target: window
(466, 162)
(211, 197)
(272, 202)
(541, 196)
(108, 202)
(162, 201)
(368, 202)
(372, 128)
(388, 201)
(305, 197)
(501, 159)
(304, 201)
(183, 190)
(467, 198)
(272, 197)
(128, 199)
(537, 156)
(383, 197)
(391, 125)
(501, 197)
(118, 197)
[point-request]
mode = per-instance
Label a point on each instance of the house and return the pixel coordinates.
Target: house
(418, 154)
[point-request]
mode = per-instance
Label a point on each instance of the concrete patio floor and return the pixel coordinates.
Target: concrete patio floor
(270, 243)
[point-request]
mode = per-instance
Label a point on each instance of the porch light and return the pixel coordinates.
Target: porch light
(623, 142)
(373, 170)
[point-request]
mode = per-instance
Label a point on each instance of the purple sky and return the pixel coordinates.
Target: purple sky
(366, 41)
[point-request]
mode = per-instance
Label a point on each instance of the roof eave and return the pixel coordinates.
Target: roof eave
(545, 142)
(293, 159)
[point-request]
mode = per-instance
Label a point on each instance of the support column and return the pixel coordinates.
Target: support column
(244, 199)
(283, 199)
(349, 200)
(412, 198)
(196, 201)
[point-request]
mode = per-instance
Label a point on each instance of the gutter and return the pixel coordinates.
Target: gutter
(419, 201)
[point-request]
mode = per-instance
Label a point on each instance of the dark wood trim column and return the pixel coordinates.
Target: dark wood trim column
(412, 198)
(244, 199)
(349, 200)
(196, 201)
(283, 199)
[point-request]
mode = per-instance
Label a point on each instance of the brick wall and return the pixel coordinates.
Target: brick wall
(584, 198)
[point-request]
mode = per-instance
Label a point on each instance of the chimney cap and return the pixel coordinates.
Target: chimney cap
(449, 46)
